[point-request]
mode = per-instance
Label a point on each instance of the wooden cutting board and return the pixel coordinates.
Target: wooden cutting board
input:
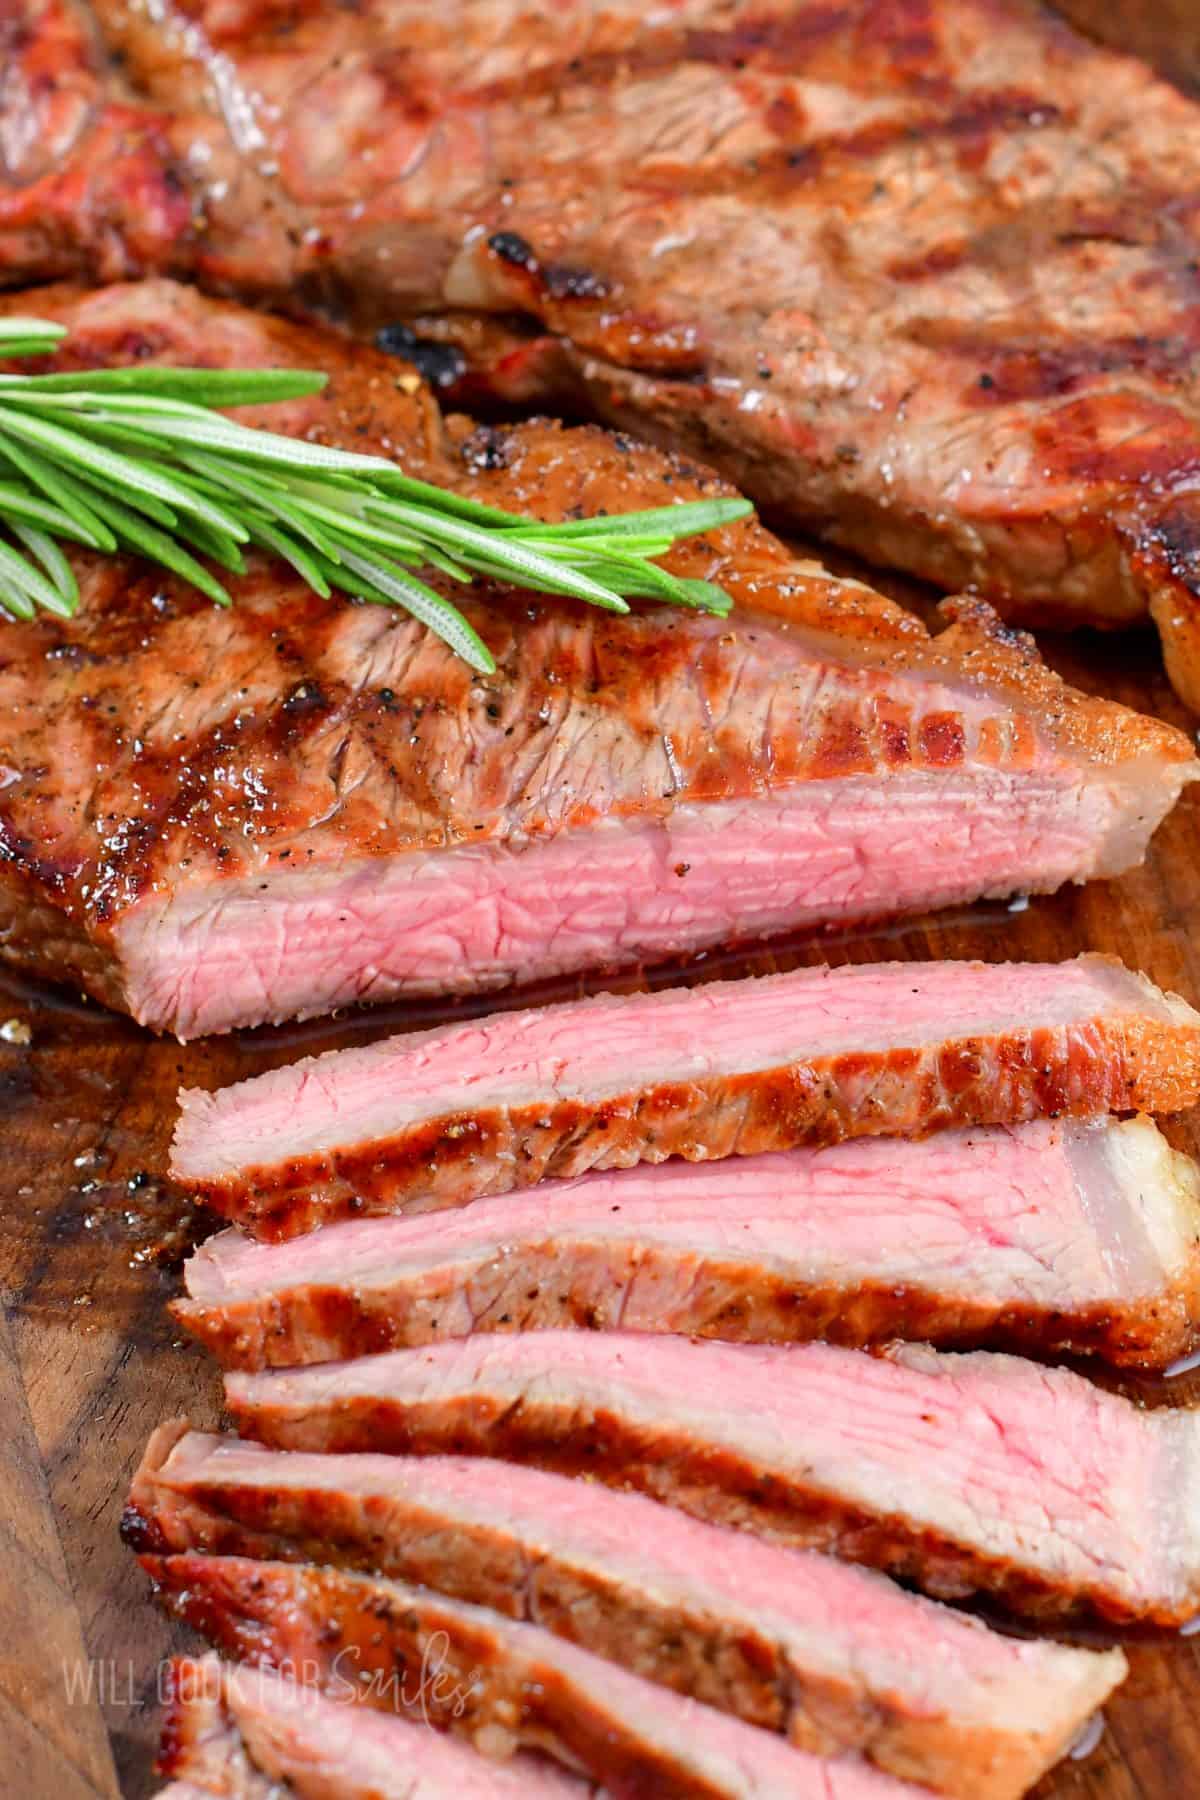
(90, 1238)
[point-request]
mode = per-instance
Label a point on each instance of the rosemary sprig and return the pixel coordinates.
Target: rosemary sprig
(137, 459)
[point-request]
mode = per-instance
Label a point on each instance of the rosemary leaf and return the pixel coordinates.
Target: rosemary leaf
(262, 532)
(18, 503)
(59, 570)
(137, 533)
(430, 608)
(138, 479)
(200, 387)
(136, 458)
(687, 519)
(29, 337)
(27, 588)
(62, 489)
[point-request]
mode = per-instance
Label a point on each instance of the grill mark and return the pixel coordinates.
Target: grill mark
(1146, 217)
(770, 175)
(177, 785)
(777, 44)
(1137, 443)
(895, 37)
(56, 875)
(447, 1159)
(942, 742)
(1174, 535)
(1010, 369)
(938, 259)
(843, 747)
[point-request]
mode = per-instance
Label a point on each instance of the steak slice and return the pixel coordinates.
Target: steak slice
(242, 1731)
(835, 1657)
(436, 1118)
(932, 288)
(498, 1682)
(214, 818)
(963, 1474)
(1056, 1236)
(202, 1745)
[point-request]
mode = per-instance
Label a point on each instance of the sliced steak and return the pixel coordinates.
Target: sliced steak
(250, 1733)
(963, 1474)
(497, 1682)
(835, 1657)
(202, 1745)
(216, 818)
(929, 282)
(436, 1118)
(1059, 1236)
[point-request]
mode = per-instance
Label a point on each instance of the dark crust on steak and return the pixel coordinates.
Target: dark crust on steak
(1109, 1065)
(278, 1614)
(710, 1481)
(697, 1654)
(201, 1741)
(416, 1653)
(784, 235)
(719, 1662)
(557, 1285)
(151, 741)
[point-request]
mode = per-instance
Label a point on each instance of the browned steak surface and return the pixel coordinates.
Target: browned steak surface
(202, 1748)
(215, 818)
(438, 1118)
(452, 1667)
(923, 275)
(249, 1733)
(835, 1658)
(961, 1474)
(1053, 1237)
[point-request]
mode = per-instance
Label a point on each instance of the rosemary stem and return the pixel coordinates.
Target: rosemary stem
(137, 459)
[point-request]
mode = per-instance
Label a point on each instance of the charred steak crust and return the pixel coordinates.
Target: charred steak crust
(253, 1734)
(201, 1747)
(969, 1735)
(327, 1323)
(1116, 1059)
(494, 1679)
(1056, 1237)
(844, 1480)
(933, 289)
(213, 819)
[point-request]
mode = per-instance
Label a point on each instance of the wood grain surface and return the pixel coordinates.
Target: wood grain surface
(1163, 32)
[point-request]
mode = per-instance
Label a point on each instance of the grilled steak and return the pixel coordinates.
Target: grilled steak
(931, 287)
(959, 1473)
(236, 1730)
(438, 1117)
(496, 1681)
(202, 1743)
(215, 819)
(1054, 1236)
(834, 1656)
